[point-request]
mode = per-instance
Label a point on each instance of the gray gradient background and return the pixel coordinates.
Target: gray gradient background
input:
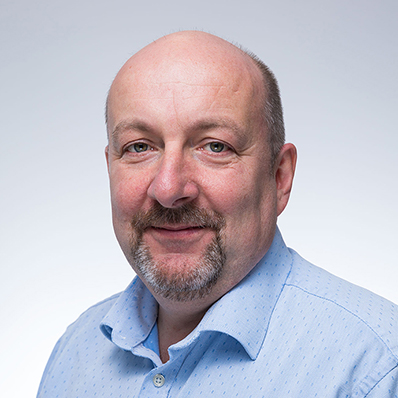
(337, 64)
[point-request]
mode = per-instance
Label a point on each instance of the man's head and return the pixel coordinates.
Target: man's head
(196, 184)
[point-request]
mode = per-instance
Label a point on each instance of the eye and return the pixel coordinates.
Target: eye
(138, 147)
(216, 146)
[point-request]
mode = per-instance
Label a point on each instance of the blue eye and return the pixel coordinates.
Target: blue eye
(216, 146)
(138, 147)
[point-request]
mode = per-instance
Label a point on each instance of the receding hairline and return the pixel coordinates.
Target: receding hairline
(272, 107)
(189, 36)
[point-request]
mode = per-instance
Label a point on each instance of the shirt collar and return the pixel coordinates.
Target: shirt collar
(243, 313)
(130, 320)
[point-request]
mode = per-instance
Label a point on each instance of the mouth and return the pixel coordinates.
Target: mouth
(176, 231)
(178, 227)
(181, 236)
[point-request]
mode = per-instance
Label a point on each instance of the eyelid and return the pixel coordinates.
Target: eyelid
(226, 148)
(131, 145)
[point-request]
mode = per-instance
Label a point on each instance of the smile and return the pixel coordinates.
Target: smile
(178, 237)
(176, 231)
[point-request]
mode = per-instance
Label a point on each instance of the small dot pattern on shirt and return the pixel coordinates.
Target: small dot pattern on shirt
(289, 329)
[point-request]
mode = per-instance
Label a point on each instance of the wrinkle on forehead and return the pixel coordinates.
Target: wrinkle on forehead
(188, 66)
(169, 90)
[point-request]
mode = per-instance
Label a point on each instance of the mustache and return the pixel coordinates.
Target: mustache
(189, 214)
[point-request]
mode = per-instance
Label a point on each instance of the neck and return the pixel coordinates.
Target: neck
(177, 319)
(174, 325)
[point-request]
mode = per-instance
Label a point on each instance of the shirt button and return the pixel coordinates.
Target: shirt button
(158, 380)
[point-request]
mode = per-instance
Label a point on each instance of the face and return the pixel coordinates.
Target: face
(194, 199)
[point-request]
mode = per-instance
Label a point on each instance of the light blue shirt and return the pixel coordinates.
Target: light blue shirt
(289, 329)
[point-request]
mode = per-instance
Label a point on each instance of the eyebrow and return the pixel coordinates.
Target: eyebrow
(201, 125)
(213, 123)
(130, 125)
(208, 124)
(126, 125)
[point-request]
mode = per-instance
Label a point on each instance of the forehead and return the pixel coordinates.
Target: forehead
(186, 83)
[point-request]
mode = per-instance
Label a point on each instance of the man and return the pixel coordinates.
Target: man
(199, 173)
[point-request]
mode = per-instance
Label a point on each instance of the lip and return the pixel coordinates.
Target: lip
(178, 227)
(177, 233)
(176, 230)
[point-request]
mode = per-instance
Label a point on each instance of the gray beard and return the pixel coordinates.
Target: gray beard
(196, 281)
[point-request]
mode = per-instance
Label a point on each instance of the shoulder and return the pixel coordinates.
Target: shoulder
(356, 304)
(83, 335)
(86, 325)
(95, 313)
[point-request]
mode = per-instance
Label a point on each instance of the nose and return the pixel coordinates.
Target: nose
(172, 186)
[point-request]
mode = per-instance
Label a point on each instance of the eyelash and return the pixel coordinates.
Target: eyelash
(133, 147)
(225, 148)
(130, 146)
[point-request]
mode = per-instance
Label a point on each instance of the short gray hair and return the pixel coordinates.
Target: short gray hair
(273, 111)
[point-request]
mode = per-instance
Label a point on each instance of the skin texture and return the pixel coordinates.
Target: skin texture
(171, 109)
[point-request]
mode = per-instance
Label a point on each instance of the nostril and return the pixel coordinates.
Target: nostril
(181, 201)
(172, 195)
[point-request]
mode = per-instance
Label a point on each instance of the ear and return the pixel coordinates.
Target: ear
(107, 157)
(285, 166)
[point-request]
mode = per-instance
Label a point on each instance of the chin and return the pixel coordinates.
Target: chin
(181, 277)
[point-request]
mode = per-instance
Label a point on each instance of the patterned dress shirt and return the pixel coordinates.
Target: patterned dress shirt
(289, 329)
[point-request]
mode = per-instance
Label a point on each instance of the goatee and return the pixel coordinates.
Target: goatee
(192, 282)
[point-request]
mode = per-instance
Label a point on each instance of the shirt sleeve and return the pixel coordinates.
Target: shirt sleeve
(387, 387)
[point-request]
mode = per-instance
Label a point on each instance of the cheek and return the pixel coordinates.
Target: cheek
(227, 190)
(239, 192)
(248, 202)
(127, 195)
